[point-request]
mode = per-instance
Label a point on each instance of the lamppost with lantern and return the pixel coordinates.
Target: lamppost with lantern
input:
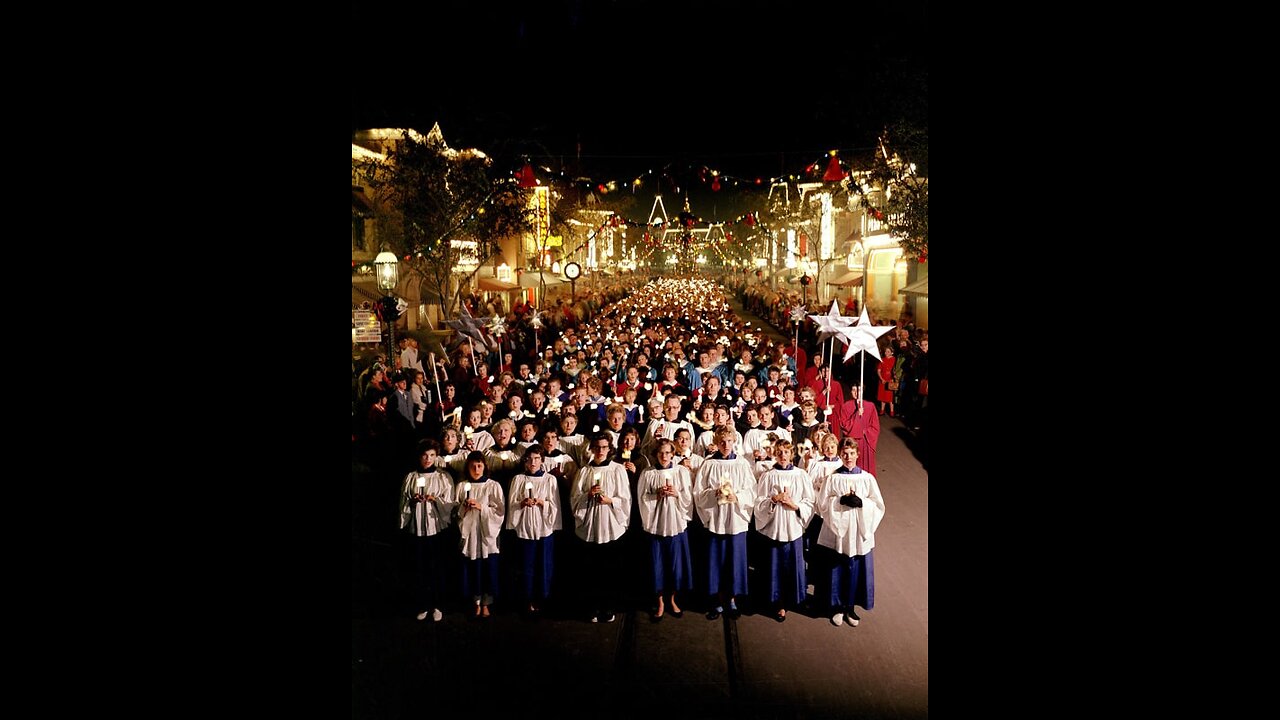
(388, 269)
(804, 289)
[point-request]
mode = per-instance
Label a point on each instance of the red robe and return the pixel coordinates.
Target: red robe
(865, 428)
(820, 398)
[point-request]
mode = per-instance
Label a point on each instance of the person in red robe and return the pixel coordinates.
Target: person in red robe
(819, 386)
(885, 370)
(865, 427)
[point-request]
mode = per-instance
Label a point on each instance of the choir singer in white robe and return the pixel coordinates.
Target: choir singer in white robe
(724, 495)
(601, 501)
(664, 494)
(784, 506)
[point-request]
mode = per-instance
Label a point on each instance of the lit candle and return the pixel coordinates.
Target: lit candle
(528, 489)
(466, 488)
(626, 454)
(422, 485)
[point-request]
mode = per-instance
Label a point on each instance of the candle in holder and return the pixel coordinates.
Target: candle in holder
(726, 488)
(422, 485)
(466, 488)
(528, 489)
(626, 454)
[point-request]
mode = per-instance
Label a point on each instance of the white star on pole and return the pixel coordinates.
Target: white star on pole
(829, 325)
(798, 312)
(535, 321)
(498, 325)
(863, 336)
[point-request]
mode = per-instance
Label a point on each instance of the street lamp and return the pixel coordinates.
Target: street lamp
(388, 267)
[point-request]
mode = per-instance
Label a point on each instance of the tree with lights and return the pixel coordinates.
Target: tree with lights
(901, 167)
(434, 202)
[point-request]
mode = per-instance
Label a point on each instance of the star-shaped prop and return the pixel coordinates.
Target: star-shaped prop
(863, 336)
(535, 320)
(798, 312)
(466, 326)
(829, 325)
(498, 325)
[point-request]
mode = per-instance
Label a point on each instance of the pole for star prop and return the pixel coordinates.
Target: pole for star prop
(862, 379)
(830, 376)
(435, 370)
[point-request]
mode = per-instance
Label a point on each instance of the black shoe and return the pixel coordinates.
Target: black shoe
(677, 614)
(733, 613)
(714, 612)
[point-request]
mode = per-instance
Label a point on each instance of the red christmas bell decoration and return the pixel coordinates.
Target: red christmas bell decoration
(526, 178)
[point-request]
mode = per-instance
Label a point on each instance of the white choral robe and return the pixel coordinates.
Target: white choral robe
(564, 462)
(819, 469)
(661, 429)
(725, 518)
(534, 523)
(427, 518)
(665, 516)
(695, 462)
(483, 440)
(456, 462)
(480, 528)
(501, 460)
(777, 522)
(850, 531)
(597, 522)
(703, 445)
(755, 436)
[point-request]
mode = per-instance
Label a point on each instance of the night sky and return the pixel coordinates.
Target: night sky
(750, 88)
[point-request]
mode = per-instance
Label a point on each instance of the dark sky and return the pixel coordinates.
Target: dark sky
(751, 88)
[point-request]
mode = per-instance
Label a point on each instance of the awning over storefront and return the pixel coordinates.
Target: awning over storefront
(361, 295)
(919, 287)
(853, 278)
(493, 284)
(531, 279)
(360, 204)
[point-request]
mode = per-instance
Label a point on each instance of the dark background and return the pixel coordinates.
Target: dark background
(611, 89)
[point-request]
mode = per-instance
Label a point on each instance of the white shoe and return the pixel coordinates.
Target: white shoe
(837, 619)
(436, 615)
(852, 618)
(422, 615)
